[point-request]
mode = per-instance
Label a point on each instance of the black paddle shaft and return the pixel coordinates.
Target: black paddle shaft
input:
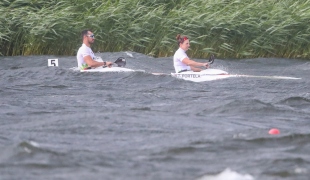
(211, 59)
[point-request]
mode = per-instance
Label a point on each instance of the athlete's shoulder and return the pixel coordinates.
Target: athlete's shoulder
(84, 48)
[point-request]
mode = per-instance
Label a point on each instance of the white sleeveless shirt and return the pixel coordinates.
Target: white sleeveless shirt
(178, 57)
(82, 52)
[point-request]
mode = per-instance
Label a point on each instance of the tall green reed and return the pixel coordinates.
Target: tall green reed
(227, 28)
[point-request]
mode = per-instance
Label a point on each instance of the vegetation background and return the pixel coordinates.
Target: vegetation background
(227, 28)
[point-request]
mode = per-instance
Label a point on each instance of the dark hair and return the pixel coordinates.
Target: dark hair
(181, 39)
(84, 33)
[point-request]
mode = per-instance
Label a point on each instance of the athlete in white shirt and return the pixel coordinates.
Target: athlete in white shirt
(181, 61)
(85, 56)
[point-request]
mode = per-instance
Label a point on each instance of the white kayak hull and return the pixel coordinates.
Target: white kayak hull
(216, 74)
(205, 75)
(107, 69)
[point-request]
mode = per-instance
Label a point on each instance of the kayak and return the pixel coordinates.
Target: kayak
(120, 62)
(216, 74)
(205, 75)
(107, 69)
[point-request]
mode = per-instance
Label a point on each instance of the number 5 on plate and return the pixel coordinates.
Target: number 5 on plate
(52, 62)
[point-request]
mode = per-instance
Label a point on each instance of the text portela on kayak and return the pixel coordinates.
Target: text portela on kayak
(188, 75)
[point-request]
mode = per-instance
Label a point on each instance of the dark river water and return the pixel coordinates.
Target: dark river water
(57, 123)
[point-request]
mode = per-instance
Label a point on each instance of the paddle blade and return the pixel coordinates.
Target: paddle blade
(121, 62)
(211, 59)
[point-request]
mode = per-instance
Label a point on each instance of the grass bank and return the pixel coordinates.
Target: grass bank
(227, 28)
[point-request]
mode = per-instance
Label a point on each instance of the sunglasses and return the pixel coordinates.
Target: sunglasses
(92, 36)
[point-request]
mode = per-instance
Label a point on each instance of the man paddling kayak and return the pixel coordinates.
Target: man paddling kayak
(85, 56)
(181, 61)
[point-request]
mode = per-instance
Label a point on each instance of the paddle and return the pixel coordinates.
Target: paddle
(120, 62)
(211, 59)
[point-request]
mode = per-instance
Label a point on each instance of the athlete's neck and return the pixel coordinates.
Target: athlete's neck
(87, 44)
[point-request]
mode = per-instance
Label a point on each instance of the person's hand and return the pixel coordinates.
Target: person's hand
(206, 65)
(109, 64)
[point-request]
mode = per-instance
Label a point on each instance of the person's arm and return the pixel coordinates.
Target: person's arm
(92, 63)
(192, 63)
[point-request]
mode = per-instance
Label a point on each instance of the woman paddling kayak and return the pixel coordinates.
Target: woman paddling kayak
(181, 61)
